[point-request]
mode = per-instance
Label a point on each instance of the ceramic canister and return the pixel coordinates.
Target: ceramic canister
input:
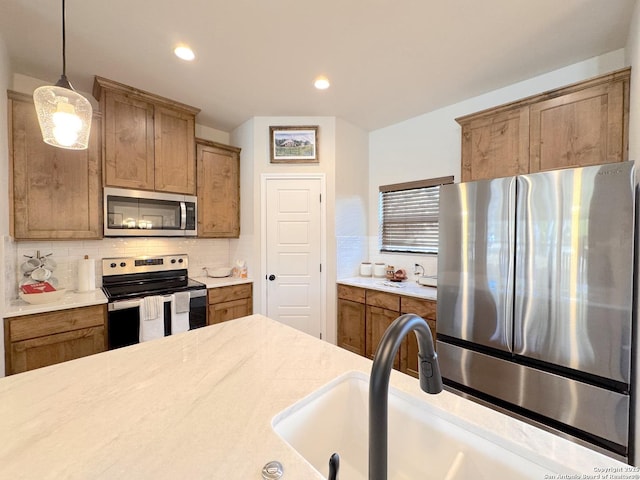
(365, 269)
(379, 270)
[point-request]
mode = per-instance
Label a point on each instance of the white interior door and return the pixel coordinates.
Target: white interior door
(293, 252)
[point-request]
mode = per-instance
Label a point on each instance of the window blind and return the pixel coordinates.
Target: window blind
(409, 216)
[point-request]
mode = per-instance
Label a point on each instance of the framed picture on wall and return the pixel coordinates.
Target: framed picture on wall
(297, 144)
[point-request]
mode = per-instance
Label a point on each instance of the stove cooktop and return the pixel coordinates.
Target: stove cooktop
(137, 277)
(161, 287)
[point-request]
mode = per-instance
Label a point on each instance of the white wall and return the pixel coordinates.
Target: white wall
(340, 143)
(429, 145)
(208, 133)
(253, 138)
(352, 192)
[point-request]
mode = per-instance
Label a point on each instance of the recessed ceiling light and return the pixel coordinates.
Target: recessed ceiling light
(184, 52)
(321, 83)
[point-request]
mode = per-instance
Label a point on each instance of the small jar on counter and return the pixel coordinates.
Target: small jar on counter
(366, 269)
(379, 270)
(391, 271)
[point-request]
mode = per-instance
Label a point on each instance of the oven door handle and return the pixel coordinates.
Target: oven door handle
(125, 304)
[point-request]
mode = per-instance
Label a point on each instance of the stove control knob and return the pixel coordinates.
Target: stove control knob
(113, 265)
(123, 264)
(180, 261)
(173, 260)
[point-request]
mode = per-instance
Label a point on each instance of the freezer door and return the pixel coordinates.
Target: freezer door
(574, 268)
(475, 262)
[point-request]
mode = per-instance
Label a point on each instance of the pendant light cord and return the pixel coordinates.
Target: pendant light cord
(64, 82)
(64, 42)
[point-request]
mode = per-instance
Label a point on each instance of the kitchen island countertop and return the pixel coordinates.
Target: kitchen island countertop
(406, 287)
(200, 405)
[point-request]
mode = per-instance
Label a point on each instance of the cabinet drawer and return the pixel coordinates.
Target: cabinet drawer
(52, 349)
(388, 301)
(423, 308)
(39, 325)
(226, 294)
(355, 294)
(223, 312)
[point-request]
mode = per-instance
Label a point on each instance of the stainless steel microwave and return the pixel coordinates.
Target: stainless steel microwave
(138, 213)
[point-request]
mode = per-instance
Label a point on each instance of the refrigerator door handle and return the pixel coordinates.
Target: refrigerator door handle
(511, 253)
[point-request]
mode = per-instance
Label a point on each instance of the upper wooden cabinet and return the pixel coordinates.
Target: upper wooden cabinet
(54, 193)
(582, 124)
(149, 141)
(496, 145)
(218, 189)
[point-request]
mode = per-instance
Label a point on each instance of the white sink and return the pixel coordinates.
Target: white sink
(424, 442)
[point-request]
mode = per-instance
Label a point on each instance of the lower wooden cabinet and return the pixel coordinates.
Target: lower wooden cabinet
(351, 319)
(409, 352)
(227, 303)
(39, 340)
(382, 309)
(365, 314)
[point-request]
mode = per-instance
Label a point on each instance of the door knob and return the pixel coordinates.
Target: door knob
(272, 277)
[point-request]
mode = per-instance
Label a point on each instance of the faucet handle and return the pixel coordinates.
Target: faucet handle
(334, 466)
(429, 374)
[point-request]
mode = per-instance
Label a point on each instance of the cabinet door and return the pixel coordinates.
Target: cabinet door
(496, 145)
(222, 312)
(378, 320)
(56, 193)
(175, 159)
(218, 190)
(578, 129)
(128, 142)
(351, 326)
(427, 310)
(52, 349)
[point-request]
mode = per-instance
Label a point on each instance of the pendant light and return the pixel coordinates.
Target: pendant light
(64, 115)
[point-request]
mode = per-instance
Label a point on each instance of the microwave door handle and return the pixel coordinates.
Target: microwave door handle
(183, 216)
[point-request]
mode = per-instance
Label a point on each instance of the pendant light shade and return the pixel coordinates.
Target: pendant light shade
(63, 114)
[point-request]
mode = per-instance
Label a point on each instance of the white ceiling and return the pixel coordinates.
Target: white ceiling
(388, 60)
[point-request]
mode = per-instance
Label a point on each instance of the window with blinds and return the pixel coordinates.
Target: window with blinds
(409, 216)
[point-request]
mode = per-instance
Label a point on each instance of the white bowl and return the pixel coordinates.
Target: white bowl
(44, 297)
(219, 272)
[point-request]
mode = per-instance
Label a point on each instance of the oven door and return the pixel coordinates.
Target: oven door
(123, 320)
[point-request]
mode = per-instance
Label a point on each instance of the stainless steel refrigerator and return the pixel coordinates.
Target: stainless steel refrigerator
(536, 299)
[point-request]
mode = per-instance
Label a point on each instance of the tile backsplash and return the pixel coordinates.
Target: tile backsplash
(202, 253)
(9, 268)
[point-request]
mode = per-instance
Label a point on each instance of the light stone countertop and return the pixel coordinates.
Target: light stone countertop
(407, 287)
(213, 282)
(70, 299)
(199, 405)
(73, 299)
